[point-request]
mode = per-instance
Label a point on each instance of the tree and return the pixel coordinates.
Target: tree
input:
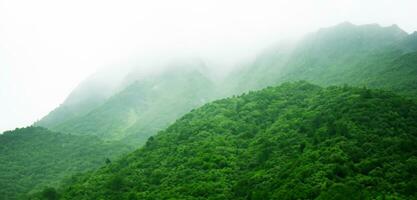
(50, 193)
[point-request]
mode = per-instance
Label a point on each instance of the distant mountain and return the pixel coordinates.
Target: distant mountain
(410, 43)
(88, 95)
(100, 121)
(34, 157)
(146, 106)
(365, 55)
(295, 141)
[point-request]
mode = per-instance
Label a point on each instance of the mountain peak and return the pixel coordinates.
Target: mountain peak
(373, 26)
(397, 29)
(395, 26)
(345, 24)
(365, 35)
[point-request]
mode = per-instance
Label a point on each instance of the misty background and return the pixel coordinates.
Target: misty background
(48, 47)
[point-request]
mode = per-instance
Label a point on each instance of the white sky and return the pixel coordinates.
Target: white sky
(48, 46)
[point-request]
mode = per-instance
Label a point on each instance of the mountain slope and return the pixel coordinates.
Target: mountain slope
(89, 94)
(409, 44)
(144, 107)
(343, 54)
(295, 141)
(34, 157)
(365, 55)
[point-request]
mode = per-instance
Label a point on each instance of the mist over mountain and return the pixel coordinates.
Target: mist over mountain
(410, 43)
(344, 54)
(145, 106)
(88, 95)
(362, 55)
(348, 132)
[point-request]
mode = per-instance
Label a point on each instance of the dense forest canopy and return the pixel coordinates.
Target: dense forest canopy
(32, 158)
(295, 141)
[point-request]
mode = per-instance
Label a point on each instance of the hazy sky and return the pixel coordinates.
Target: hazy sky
(48, 46)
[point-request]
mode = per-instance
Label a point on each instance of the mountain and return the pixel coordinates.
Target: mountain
(89, 94)
(131, 108)
(295, 141)
(364, 55)
(145, 106)
(410, 43)
(32, 158)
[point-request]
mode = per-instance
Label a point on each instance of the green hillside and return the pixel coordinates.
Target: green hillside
(144, 107)
(366, 55)
(131, 108)
(89, 94)
(295, 141)
(34, 157)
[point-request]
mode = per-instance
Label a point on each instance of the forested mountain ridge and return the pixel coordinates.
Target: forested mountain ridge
(295, 141)
(410, 43)
(144, 107)
(128, 110)
(32, 158)
(89, 94)
(363, 55)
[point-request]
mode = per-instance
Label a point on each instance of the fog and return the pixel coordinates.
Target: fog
(48, 47)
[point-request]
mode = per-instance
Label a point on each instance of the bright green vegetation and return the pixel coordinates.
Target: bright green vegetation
(34, 157)
(368, 55)
(295, 141)
(274, 143)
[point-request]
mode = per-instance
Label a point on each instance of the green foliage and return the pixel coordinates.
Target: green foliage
(34, 157)
(368, 55)
(144, 107)
(295, 141)
(50, 194)
(291, 142)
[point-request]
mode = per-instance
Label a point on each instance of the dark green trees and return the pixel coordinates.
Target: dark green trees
(32, 158)
(295, 141)
(50, 194)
